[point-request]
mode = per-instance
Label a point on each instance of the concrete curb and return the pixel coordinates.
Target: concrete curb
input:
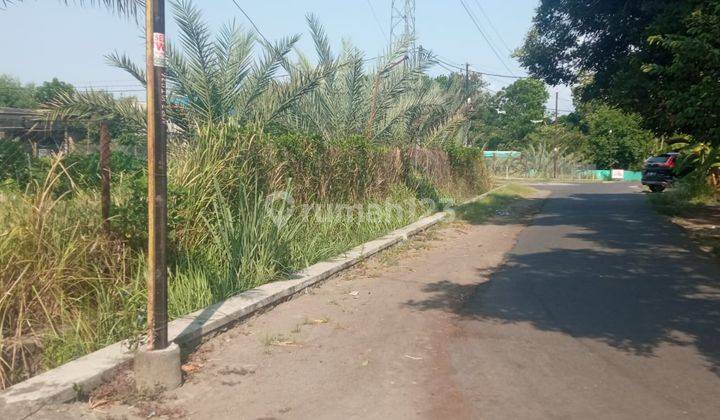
(88, 372)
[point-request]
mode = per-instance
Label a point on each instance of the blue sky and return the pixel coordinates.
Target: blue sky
(44, 39)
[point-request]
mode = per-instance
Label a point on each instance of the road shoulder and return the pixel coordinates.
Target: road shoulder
(367, 343)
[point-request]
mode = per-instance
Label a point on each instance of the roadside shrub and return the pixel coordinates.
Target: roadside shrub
(15, 163)
(469, 170)
(84, 169)
(72, 289)
(688, 195)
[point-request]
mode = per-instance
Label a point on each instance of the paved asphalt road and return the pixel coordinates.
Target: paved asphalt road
(604, 309)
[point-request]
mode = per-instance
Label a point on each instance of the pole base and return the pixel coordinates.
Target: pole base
(158, 370)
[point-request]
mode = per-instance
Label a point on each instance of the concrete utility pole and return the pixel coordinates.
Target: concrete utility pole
(556, 107)
(157, 176)
(157, 366)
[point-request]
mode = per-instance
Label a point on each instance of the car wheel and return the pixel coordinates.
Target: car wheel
(657, 188)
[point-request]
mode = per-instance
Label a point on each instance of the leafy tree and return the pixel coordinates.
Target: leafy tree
(14, 162)
(14, 95)
(120, 133)
(563, 136)
(659, 58)
(688, 86)
(475, 84)
(50, 90)
(615, 139)
(512, 114)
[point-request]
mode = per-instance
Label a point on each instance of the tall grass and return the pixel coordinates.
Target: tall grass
(54, 264)
(69, 289)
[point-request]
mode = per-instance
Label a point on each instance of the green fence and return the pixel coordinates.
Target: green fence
(606, 175)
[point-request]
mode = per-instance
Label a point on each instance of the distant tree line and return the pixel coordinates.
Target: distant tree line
(659, 59)
(13, 94)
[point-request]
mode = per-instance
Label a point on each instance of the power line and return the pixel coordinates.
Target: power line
(490, 44)
(252, 22)
(569, 111)
(492, 26)
(267, 42)
(377, 20)
(505, 76)
(89, 82)
(482, 73)
(455, 66)
(448, 61)
(441, 64)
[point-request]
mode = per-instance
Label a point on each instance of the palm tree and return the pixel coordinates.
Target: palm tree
(394, 103)
(210, 79)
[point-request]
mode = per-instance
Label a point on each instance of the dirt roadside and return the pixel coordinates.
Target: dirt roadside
(703, 226)
(364, 344)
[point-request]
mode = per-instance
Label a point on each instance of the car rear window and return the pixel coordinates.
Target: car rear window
(658, 159)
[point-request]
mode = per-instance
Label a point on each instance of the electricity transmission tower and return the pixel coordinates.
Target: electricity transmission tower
(402, 22)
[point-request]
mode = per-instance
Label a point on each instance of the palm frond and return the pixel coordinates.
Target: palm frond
(263, 72)
(233, 51)
(130, 8)
(199, 59)
(290, 93)
(97, 105)
(320, 38)
(123, 62)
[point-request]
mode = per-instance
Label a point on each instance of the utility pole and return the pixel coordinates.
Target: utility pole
(158, 364)
(105, 175)
(556, 107)
(467, 79)
(157, 176)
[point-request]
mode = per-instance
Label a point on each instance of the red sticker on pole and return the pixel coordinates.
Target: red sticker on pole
(159, 49)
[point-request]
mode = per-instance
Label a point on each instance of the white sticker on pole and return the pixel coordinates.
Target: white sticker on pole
(618, 174)
(159, 49)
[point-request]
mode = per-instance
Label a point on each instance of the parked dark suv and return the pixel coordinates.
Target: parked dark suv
(659, 171)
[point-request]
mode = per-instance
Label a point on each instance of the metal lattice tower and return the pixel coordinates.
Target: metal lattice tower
(402, 21)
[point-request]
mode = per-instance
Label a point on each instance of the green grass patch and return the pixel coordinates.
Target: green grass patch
(695, 206)
(685, 199)
(479, 211)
